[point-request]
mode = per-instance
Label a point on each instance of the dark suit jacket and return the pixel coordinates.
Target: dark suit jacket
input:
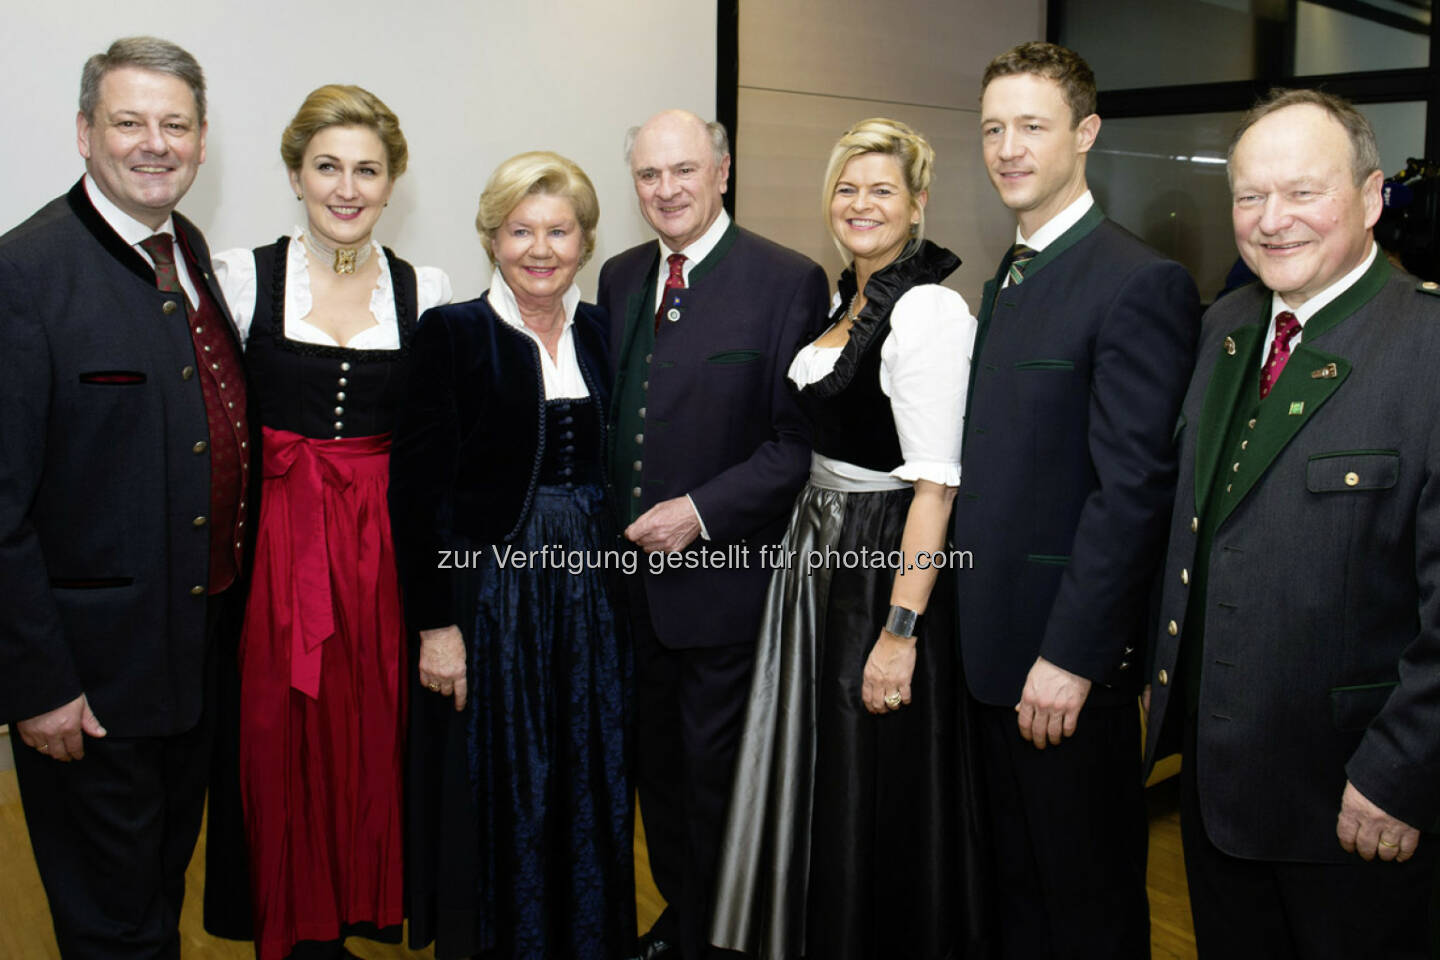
(1068, 463)
(1322, 617)
(98, 479)
(733, 438)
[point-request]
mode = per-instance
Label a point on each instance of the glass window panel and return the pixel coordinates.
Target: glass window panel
(1153, 43)
(1329, 41)
(1163, 179)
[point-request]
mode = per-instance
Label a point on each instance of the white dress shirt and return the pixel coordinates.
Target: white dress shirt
(562, 377)
(1314, 305)
(694, 253)
(132, 231)
(1055, 227)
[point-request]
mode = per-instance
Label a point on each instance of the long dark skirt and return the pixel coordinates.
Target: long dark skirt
(522, 818)
(852, 835)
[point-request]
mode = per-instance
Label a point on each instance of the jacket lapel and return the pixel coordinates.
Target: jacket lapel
(1222, 396)
(634, 315)
(1309, 379)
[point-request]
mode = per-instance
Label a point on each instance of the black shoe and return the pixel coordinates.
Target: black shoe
(652, 947)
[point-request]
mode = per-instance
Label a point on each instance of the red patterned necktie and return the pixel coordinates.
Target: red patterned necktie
(161, 247)
(1286, 326)
(676, 281)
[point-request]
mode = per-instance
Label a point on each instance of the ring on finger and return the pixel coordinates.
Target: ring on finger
(893, 701)
(434, 686)
(1388, 843)
(43, 747)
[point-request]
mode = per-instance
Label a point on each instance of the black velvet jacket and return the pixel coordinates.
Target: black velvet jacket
(469, 441)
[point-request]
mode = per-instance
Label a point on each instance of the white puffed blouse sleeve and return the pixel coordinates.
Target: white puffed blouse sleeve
(925, 371)
(432, 288)
(235, 273)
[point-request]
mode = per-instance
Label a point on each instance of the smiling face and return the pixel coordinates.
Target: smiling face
(1300, 221)
(1035, 158)
(537, 250)
(871, 211)
(678, 181)
(345, 183)
(146, 143)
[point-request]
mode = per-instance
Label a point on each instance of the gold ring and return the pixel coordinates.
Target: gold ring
(893, 701)
(43, 746)
(1387, 843)
(434, 686)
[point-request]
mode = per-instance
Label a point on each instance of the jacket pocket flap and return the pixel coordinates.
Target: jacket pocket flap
(1045, 365)
(113, 378)
(1352, 708)
(1346, 470)
(734, 356)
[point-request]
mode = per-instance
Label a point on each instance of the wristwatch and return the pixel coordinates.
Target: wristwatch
(901, 622)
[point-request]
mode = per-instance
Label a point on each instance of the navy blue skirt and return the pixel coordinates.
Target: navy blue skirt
(546, 738)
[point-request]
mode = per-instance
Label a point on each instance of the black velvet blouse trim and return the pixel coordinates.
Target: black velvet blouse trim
(930, 263)
(404, 316)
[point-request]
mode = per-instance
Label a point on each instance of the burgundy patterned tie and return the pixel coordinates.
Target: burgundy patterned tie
(676, 281)
(161, 247)
(1286, 326)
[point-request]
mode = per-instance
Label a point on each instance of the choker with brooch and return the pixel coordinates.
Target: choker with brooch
(342, 259)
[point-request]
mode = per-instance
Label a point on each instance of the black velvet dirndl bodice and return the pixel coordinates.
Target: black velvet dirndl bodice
(324, 391)
(850, 414)
(572, 444)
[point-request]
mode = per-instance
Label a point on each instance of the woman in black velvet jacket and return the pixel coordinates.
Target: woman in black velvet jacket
(520, 812)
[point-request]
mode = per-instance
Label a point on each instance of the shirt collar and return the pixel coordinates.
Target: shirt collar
(702, 246)
(1322, 299)
(502, 301)
(132, 231)
(1058, 224)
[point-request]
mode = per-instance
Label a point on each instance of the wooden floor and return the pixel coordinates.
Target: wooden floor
(25, 932)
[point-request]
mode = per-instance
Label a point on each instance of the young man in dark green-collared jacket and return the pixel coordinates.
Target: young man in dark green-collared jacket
(1086, 342)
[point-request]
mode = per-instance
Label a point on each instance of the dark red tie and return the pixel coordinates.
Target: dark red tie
(161, 247)
(676, 281)
(1286, 326)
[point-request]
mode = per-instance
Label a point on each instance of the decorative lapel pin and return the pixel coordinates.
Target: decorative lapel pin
(1297, 407)
(1230, 346)
(1327, 372)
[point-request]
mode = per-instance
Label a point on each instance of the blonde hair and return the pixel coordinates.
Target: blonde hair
(893, 139)
(544, 172)
(344, 105)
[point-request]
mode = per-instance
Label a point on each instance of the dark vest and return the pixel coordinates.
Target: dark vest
(299, 387)
(851, 415)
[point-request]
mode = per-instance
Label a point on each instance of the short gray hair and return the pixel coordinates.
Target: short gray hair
(719, 141)
(1364, 154)
(146, 53)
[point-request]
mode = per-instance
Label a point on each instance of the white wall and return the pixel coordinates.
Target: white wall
(473, 82)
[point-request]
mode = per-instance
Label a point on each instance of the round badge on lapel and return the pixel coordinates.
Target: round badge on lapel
(672, 314)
